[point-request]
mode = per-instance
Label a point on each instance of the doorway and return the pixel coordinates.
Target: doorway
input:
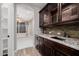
(25, 25)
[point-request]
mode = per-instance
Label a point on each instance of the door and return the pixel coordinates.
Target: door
(7, 29)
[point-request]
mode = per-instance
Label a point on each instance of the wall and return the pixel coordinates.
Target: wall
(37, 29)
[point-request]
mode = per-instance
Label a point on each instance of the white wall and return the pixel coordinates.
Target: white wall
(36, 22)
(37, 29)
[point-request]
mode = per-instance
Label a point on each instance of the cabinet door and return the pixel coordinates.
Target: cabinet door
(49, 47)
(49, 51)
(58, 53)
(45, 15)
(41, 45)
(54, 12)
(41, 18)
(70, 11)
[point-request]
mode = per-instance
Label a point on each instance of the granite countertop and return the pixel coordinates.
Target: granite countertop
(70, 42)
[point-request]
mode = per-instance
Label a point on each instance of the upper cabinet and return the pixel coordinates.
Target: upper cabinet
(70, 12)
(59, 14)
(46, 16)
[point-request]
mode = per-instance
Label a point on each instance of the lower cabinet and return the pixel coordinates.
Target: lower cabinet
(58, 53)
(49, 51)
(49, 48)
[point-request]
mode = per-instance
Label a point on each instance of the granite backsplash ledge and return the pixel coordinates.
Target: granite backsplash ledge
(71, 30)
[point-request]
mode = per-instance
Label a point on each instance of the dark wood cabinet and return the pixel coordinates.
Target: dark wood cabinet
(70, 12)
(58, 53)
(39, 44)
(59, 14)
(47, 47)
(41, 18)
(46, 16)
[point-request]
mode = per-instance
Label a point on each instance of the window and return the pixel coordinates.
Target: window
(21, 27)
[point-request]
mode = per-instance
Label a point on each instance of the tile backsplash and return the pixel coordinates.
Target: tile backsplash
(71, 30)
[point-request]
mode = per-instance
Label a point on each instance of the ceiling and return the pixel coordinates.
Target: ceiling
(24, 10)
(38, 6)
